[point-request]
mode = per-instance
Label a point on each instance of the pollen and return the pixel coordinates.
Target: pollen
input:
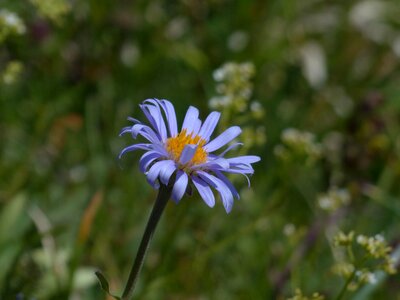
(176, 144)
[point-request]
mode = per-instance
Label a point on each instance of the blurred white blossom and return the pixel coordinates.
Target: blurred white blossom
(369, 16)
(234, 91)
(297, 144)
(12, 72)
(176, 28)
(10, 23)
(300, 296)
(238, 41)
(313, 63)
(334, 199)
(129, 54)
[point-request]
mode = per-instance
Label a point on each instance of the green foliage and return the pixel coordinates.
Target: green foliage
(104, 284)
(315, 86)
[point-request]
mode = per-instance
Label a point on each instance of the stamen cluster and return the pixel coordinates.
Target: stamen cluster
(176, 144)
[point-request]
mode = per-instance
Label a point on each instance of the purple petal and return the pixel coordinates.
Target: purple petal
(171, 116)
(158, 118)
(135, 129)
(146, 132)
(152, 101)
(133, 120)
(228, 183)
(161, 149)
(154, 172)
(169, 111)
(220, 163)
(204, 191)
(149, 117)
(142, 129)
(244, 169)
(209, 125)
(167, 171)
(125, 130)
(219, 185)
(187, 153)
(223, 139)
(147, 159)
(135, 147)
(190, 121)
(196, 127)
(229, 149)
(246, 159)
(180, 186)
(232, 171)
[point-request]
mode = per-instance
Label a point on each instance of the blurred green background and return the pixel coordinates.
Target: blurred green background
(315, 86)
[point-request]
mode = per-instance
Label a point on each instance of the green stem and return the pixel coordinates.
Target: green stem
(344, 288)
(351, 277)
(350, 254)
(164, 194)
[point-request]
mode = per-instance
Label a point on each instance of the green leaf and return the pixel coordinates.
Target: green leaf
(104, 284)
(13, 225)
(7, 257)
(13, 219)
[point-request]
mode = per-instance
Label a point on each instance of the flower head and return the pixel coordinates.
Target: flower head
(186, 158)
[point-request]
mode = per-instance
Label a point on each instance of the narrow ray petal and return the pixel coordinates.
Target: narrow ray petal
(209, 125)
(244, 168)
(231, 147)
(219, 185)
(154, 172)
(196, 126)
(191, 118)
(167, 171)
(223, 139)
(180, 186)
(147, 159)
(187, 153)
(125, 130)
(246, 159)
(153, 123)
(133, 120)
(171, 116)
(158, 118)
(220, 163)
(135, 147)
(228, 184)
(204, 191)
(144, 131)
(238, 172)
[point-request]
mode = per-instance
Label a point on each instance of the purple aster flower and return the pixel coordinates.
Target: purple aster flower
(175, 161)
(186, 158)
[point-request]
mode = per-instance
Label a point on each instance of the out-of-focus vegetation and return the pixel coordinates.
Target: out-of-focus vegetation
(317, 93)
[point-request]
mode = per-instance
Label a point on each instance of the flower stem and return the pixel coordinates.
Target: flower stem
(345, 286)
(351, 277)
(164, 194)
